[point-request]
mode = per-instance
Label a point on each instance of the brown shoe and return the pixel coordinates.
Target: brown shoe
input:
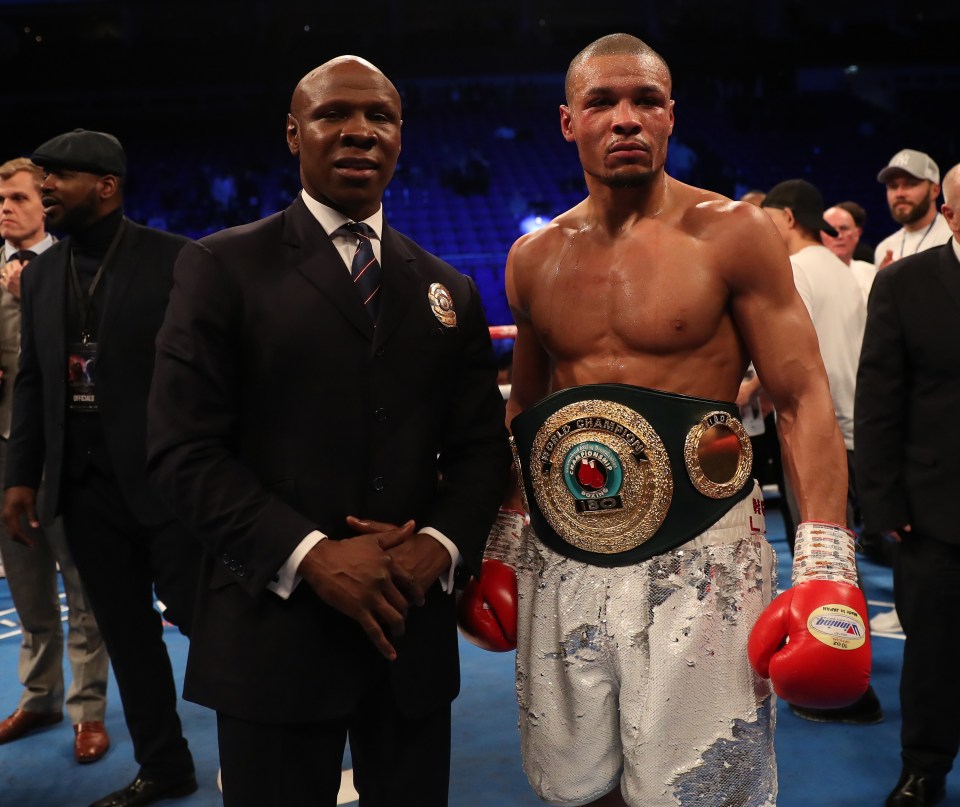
(91, 741)
(22, 722)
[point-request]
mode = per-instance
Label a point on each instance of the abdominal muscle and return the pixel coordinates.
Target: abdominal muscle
(695, 374)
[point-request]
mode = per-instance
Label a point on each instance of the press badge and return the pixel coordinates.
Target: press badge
(81, 384)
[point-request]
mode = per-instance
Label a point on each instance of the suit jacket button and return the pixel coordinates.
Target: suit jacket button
(380, 414)
(379, 351)
(378, 483)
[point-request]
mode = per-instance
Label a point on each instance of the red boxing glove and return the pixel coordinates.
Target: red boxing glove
(487, 609)
(825, 663)
(812, 641)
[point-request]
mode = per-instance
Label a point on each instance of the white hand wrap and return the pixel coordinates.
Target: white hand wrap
(824, 552)
(503, 543)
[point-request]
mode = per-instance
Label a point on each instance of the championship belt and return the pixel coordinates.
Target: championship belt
(614, 474)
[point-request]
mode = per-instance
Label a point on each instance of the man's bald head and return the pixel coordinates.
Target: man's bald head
(610, 45)
(950, 186)
(320, 75)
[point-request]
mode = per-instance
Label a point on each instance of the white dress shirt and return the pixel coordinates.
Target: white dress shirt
(287, 578)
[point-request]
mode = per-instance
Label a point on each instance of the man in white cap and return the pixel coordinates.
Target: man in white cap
(913, 185)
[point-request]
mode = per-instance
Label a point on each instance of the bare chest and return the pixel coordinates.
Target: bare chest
(635, 299)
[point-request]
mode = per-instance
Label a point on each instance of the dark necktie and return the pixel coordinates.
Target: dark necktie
(24, 256)
(365, 270)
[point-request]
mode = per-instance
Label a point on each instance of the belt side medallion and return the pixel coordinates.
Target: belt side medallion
(601, 476)
(718, 455)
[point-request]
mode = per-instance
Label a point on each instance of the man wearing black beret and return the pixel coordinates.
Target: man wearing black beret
(91, 308)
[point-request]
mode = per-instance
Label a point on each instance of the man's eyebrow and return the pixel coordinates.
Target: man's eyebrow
(597, 90)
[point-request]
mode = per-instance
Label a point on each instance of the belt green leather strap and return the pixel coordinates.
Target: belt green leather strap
(615, 474)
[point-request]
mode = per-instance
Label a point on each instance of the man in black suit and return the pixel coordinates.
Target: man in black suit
(908, 396)
(32, 572)
(285, 404)
(91, 308)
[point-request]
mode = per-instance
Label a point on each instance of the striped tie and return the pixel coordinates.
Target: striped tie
(365, 270)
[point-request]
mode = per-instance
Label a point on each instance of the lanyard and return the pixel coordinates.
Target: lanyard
(84, 300)
(926, 232)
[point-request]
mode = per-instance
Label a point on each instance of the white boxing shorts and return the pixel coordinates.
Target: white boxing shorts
(638, 675)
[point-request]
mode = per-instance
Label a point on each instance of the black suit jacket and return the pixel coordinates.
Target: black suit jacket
(276, 410)
(139, 287)
(908, 396)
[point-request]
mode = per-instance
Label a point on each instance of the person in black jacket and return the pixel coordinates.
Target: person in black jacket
(284, 403)
(91, 308)
(908, 394)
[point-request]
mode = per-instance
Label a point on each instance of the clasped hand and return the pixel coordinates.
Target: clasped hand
(375, 577)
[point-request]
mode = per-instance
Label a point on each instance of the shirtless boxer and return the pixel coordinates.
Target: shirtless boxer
(645, 566)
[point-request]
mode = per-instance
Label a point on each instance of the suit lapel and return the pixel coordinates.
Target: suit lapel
(948, 270)
(308, 249)
(9, 323)
(399, 285)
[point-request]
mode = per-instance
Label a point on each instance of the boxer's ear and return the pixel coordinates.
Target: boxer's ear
(293, 135)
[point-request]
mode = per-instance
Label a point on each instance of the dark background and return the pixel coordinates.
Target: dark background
(766, 90)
